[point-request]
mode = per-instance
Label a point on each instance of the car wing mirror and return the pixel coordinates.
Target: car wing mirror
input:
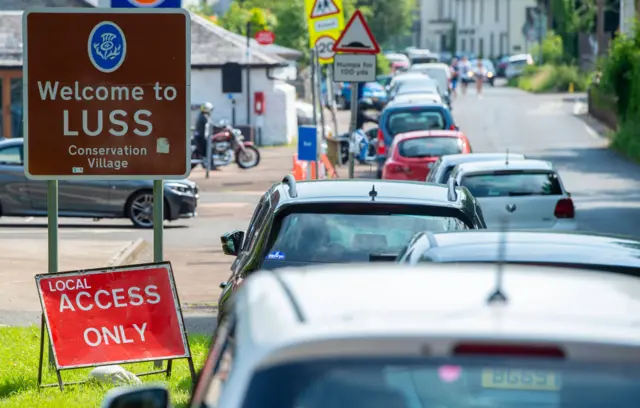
(134, 397)
(232, 242)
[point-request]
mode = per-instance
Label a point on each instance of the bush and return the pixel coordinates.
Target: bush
(383, 65)
(551, 78)
(617, 72)
(552, 49)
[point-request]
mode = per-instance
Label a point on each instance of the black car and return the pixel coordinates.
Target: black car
(338, 221)
(546, 248)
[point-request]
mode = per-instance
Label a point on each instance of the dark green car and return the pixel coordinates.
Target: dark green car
(342, 221)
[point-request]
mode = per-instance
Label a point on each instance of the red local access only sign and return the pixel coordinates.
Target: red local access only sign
(113, 316)
(108, 93)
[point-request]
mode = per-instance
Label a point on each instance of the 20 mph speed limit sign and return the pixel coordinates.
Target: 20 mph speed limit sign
(324, 47)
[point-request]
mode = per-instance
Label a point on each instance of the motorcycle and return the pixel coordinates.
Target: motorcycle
(227, 145)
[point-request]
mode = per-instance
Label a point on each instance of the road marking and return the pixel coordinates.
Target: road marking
(29, 219)
(591, 132)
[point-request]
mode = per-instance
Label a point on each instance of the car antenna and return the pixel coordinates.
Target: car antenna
(498, 295)
(507, 158)
(373, 193)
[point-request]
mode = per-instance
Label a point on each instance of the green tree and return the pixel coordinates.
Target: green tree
(387, 19)
(570, 18)
(552, 49)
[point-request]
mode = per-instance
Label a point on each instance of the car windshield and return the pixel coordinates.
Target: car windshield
(351, 237)
(373, 87)
(512, 183)
(487, 64)
(430, 147)
(479, 382)
(403, 121)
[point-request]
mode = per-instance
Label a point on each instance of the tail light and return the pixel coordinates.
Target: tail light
(565, 209)
(453, 127)
(382, 149)
(509, 350)
(398, 168)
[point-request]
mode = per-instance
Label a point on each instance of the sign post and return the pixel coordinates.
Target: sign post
(120, 111)
(357, 65)
(308, 146)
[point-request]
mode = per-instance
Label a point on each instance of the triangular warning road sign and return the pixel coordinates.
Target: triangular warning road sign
(323, 8)
(356, 38)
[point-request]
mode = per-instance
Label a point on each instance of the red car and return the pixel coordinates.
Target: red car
(412, 154)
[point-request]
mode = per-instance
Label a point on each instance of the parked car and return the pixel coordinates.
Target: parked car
(441, 75)
(501, 66)
(526, 194)
(132, 199)
(441, 169)
(372, 90)
(412, 154)
(517, 64)
(407, 117)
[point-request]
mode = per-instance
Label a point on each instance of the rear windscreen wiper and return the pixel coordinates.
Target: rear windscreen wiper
(382, 257)
(517, 194)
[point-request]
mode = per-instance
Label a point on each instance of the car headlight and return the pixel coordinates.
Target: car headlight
(490, 74)
(471, 74)
(180, 188)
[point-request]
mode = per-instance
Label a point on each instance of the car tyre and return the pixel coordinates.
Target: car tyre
(139, 209)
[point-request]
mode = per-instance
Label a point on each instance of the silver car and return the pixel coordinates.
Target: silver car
(132, 199)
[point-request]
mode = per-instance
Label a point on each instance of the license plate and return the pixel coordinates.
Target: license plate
(520, 379)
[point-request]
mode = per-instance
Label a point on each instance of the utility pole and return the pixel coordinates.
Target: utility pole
(600, 28)
(549, 15)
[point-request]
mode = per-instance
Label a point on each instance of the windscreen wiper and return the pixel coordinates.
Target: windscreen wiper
(382, 257)
(519, 194)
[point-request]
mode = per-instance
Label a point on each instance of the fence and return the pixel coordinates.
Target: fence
(603, 107)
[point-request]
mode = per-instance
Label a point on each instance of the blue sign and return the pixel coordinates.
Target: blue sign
(307, 143)
(107, 46)
(146, 3)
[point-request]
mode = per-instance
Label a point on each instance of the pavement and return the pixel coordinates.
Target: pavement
(550, 127)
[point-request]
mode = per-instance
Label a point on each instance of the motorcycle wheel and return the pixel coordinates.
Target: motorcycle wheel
(249, 158)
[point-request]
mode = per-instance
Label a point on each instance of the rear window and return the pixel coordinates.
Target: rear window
(447, 173)
(439, 75)
(409, 121)
(323, 237)
(518, 63)
(430, 147)
(504, 184)
(480, 382)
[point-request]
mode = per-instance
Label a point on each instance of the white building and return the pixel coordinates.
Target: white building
(483, 27)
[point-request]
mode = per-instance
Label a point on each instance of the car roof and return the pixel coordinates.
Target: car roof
(388, 191)
(11, 142)
(423, 65)
(427, 133)
(419, 103)
(529, 246)
(437, 301)
(519, 57)
(518, 164)
(454, 159)
(415, 98)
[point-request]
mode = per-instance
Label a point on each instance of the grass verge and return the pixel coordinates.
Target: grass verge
(19, 347)
(551, 78)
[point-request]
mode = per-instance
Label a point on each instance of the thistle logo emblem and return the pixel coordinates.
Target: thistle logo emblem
(107, 46)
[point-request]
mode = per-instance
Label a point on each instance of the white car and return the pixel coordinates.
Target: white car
(527, 194)
(516, 65)
(441, 168)
(394, 336)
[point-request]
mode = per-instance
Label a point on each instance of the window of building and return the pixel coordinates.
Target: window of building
(481, 11)
(473, 11)
(463, 45)
(440, 9)
(497, 4)
(472, 45)
(450, 9)
(463, 7)
(492, 45)
(501, 44)
(481, 48)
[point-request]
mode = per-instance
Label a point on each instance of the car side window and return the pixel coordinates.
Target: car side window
(252, 224)
(11, 156)
(256, 224)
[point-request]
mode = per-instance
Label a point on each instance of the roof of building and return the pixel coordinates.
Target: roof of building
(272, 49)
(211, 45)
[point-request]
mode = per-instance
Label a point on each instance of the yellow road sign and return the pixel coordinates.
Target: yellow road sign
(325, 19)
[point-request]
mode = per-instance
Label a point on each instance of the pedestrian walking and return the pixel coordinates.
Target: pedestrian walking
(464, 67)
(481, 73)
(455, 76)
